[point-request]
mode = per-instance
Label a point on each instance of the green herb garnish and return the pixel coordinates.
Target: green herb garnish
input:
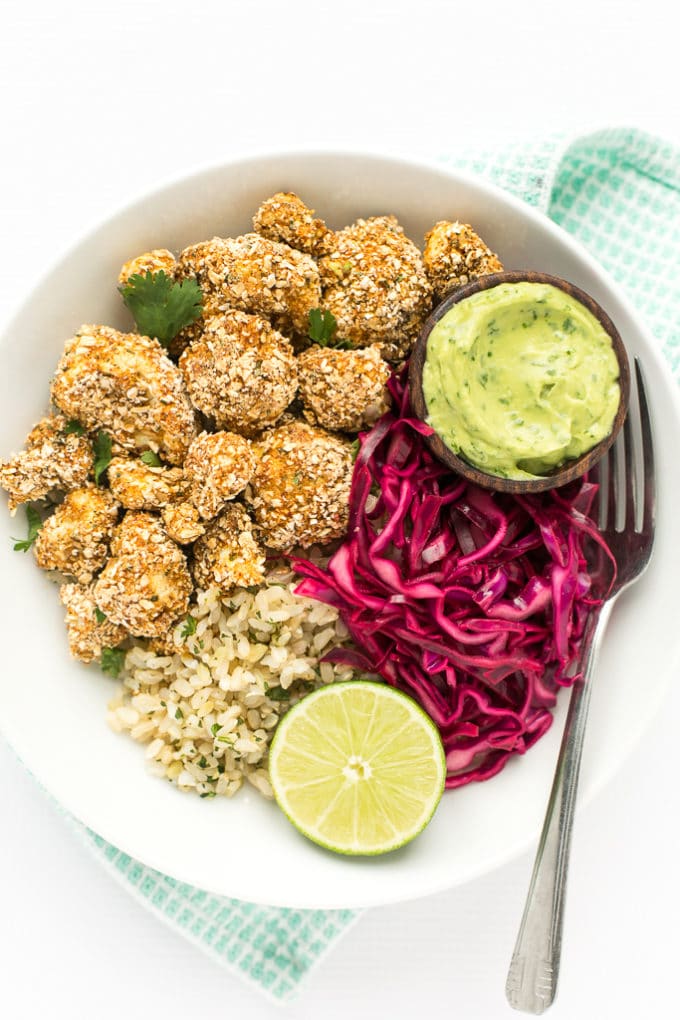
(99, 616)
(35, 523)
(322, 326)
(355, 447)
(102, 454)
(112, 661)
(189, 627)
(73, 428)
(151, 458)
(278, 694)
(161, 307)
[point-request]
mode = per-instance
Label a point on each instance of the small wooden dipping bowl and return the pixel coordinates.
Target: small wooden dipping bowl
(568, 471)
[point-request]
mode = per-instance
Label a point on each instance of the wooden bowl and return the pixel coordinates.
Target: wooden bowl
(568, 471)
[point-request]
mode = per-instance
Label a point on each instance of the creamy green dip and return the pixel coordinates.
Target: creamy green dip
(520, 378)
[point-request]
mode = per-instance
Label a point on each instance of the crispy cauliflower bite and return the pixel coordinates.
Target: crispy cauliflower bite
(343, 390)
(285, 217)
(86, 635)
(300, 489)
(138, 486)
(454, 255)
(75, 539)
(182, 522)
(219, 466)
(240, 372)
(145, 585)
(253, 274)
(228, 556)
(373, 281)
(160, 259)
(125, 383)
(52, 460)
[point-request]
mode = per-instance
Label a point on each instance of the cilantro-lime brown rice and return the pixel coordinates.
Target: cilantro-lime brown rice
(208, 708)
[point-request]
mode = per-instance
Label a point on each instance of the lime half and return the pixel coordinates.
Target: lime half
(358, 767)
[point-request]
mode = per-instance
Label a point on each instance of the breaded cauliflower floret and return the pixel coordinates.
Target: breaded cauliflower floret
(375, 285)
(75, 539)
(219, 466)
(343, 390)
(150, 262)
(126, 384)
(285, 217)
(228, 556)
(88, 631)
(182, 522)
(138, 486)
(146, 585)
(253, 274)
(455, 255)
(300, 490)
(241, 372)
(53, 460)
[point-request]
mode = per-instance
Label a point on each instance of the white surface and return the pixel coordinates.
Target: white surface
(100, 104)
(476, 828)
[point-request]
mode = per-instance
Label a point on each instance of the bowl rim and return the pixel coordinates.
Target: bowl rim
(563, 474)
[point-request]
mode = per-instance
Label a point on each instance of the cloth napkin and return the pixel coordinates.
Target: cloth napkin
(618, 192)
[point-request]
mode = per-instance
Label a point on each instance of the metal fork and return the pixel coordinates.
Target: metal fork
(626, 521)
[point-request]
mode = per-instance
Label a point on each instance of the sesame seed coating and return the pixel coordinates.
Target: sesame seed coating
(219, 465)
(454, 254)
(145, 586)
(300, 489)
(182, 522)
(75, 539)
(52, 460)
(240, 372)
(285, 217)
(149, 262)
(138, 486)
(374, 283)
(253, 274)
(86, 636)
(125, 383)
(343, 390)
(228, 555)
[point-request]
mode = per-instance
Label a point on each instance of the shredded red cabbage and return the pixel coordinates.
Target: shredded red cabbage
(472, 602)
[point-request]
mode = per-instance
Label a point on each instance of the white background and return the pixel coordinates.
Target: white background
(99, 102)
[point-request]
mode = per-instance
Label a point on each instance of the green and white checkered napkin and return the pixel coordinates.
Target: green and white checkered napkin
(618, 192)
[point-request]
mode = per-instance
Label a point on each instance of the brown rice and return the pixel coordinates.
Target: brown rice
(208, 707)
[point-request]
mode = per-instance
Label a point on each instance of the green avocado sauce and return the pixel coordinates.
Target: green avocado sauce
(520, 378)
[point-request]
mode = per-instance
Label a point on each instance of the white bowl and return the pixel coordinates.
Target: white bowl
(53, 710)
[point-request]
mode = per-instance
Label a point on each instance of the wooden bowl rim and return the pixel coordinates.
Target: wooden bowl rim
(562, 475)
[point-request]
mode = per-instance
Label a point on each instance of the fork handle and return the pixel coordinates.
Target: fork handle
(534, 969)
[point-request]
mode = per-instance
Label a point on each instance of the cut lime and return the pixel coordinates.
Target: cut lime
(358, 767)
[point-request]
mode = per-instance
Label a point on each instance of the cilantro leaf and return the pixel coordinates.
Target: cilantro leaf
(112, 660)
(161, 307)
(189, 627)
(98, 615)
(151, 458)
(102, 454)
(73, 428)
(354, 448)
(35, 523)
(322, 326)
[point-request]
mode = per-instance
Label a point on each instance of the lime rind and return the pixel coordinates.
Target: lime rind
(348, 726)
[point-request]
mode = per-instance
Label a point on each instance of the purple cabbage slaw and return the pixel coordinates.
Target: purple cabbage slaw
(472, 602)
